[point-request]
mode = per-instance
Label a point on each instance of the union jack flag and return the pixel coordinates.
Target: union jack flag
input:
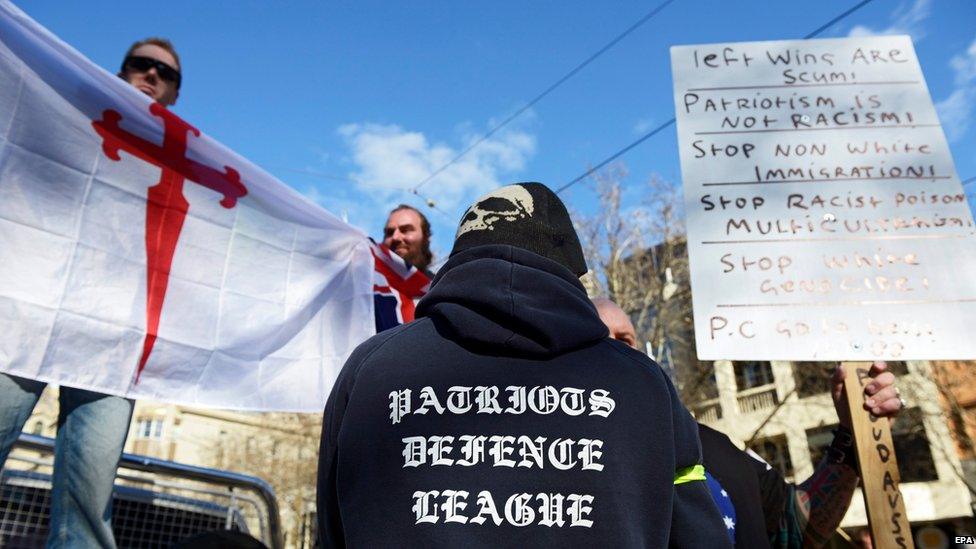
(397, 287)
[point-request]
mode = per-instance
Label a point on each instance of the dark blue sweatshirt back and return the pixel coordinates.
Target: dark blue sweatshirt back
(505, 417)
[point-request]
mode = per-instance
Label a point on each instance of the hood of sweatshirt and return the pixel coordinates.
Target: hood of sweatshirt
(503, 300)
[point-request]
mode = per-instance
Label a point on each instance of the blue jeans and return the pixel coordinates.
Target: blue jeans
(91, 433)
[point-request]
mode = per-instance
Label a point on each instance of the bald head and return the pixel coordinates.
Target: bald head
(617, 321)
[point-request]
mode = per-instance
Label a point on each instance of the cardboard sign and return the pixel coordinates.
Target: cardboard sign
(825, 217)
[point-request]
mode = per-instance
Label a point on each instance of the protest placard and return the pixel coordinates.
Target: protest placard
(826, 220)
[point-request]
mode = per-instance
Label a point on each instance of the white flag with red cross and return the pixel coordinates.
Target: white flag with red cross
(139, 257)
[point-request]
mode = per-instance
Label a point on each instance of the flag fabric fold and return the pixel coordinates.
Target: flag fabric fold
(140, 257)
(397, 287)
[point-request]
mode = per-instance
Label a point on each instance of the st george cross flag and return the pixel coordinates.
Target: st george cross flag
(139, 257)
(397, 287)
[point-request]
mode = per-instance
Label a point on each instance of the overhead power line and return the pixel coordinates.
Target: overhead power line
(828, 24)
(647, 17)
(651, 133)
(615, 156)
(332, 177)
(429, 202)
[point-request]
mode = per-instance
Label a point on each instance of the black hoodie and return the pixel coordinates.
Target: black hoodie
(505, 417)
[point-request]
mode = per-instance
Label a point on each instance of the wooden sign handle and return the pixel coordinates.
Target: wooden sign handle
(880, 480)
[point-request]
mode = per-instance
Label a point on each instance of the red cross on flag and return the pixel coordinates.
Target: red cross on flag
(139, 257)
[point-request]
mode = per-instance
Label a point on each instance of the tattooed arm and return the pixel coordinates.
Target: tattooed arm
(822, 500)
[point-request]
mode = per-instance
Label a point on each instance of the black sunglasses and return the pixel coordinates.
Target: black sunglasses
(143, 64)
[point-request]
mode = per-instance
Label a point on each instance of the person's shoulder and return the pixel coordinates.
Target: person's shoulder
(638, 363)
(631, 367)
(713, 435)
(387, 341)
(717, 443)
(378, 349)
(718, 447)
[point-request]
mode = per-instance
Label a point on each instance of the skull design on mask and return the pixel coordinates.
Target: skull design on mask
(504, 204)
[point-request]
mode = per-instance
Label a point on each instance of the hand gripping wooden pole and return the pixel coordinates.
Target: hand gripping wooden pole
(879, 466)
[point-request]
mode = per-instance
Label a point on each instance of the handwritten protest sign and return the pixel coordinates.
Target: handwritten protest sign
(826, 220)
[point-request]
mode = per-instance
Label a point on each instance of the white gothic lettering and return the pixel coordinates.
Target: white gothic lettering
(503, 451)
(542, 400)
(521, 509)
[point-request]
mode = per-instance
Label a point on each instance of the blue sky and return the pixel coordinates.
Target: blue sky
(385, 92)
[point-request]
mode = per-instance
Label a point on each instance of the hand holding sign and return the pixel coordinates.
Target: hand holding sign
(881, 397)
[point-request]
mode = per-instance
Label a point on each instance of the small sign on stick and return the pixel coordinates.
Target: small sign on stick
(880, 479)
(825, 220)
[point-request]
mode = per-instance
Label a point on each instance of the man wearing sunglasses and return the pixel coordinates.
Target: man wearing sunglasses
(153, 67)
(91, 426)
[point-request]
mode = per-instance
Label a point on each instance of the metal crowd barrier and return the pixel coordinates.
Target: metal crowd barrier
(156, 502)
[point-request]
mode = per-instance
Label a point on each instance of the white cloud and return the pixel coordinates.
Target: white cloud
(643, 126)
(906, 19)
(956, 110)
(965, 65)
(389, 158)
(343, 207)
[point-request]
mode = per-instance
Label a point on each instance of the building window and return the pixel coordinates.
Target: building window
(149, 428)
(915, 461)
(752, 374)
(698, 384)
(775, 452)
(813, 378)
(818, 439)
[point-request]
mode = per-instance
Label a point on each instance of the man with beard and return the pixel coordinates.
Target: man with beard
(407, 234)
(402, 276)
